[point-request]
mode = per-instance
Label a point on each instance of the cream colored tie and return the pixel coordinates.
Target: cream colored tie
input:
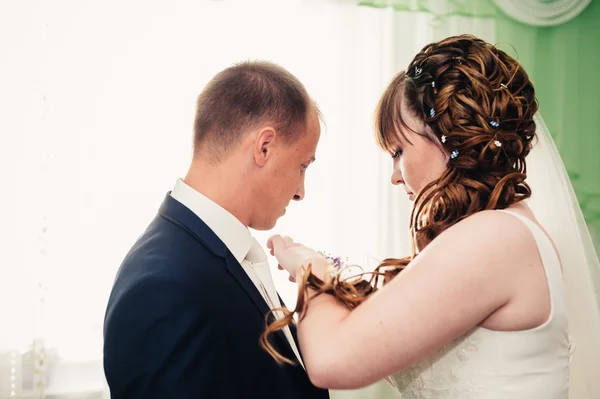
(259, 265)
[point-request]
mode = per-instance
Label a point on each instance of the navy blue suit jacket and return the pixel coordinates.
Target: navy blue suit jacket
(184, 320)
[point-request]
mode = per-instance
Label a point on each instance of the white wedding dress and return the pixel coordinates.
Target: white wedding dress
(488, 364)
(559, 359)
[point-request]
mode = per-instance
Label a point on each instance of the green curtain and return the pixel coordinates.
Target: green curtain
(468, 8)
(562, 62)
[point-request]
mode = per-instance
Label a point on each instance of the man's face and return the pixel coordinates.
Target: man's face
(283, 178)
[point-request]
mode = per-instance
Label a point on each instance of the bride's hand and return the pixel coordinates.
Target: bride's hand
(294, 257)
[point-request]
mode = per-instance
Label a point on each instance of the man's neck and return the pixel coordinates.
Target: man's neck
(222, 184)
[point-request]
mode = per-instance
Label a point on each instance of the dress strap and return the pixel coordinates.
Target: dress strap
(548, 255)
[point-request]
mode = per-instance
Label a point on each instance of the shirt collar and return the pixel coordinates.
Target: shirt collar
(227, 227)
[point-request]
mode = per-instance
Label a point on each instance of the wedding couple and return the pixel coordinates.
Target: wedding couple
(491, 303)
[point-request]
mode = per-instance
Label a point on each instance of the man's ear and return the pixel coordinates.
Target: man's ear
(264, 145)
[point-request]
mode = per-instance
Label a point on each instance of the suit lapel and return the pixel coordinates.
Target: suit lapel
(179, 214)
(242, 278)
(293, 330)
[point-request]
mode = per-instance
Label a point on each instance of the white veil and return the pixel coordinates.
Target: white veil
(555, 205)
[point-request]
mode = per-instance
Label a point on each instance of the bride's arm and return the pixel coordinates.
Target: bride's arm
(461, 278)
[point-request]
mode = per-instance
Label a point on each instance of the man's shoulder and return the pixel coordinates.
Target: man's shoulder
(165, 256)
(164, 242)
(156, 283)
(160, 257)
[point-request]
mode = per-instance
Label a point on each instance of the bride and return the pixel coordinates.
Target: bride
(496, 300)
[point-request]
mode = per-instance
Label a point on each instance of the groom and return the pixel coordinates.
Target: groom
(189, 302)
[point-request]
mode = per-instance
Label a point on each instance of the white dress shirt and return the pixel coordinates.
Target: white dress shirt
(246, 250)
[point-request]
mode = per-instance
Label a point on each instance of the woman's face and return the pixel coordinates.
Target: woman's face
(418, 160)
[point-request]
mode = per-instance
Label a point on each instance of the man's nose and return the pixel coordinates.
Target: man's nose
(299, 196)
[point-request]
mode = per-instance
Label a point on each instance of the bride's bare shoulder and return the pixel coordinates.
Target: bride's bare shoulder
(490, 230)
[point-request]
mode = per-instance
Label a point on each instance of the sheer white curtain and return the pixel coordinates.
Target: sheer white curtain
(96, 108)
(542, 12)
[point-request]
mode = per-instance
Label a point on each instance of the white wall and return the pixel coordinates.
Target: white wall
(96, 112)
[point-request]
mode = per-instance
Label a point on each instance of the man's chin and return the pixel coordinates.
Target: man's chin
(264, 226)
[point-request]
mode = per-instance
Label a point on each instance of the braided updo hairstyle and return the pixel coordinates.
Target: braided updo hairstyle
(478, 104)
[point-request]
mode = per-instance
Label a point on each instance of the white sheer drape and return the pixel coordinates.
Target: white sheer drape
(542, 12)
(96, 108)
(555, 205)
